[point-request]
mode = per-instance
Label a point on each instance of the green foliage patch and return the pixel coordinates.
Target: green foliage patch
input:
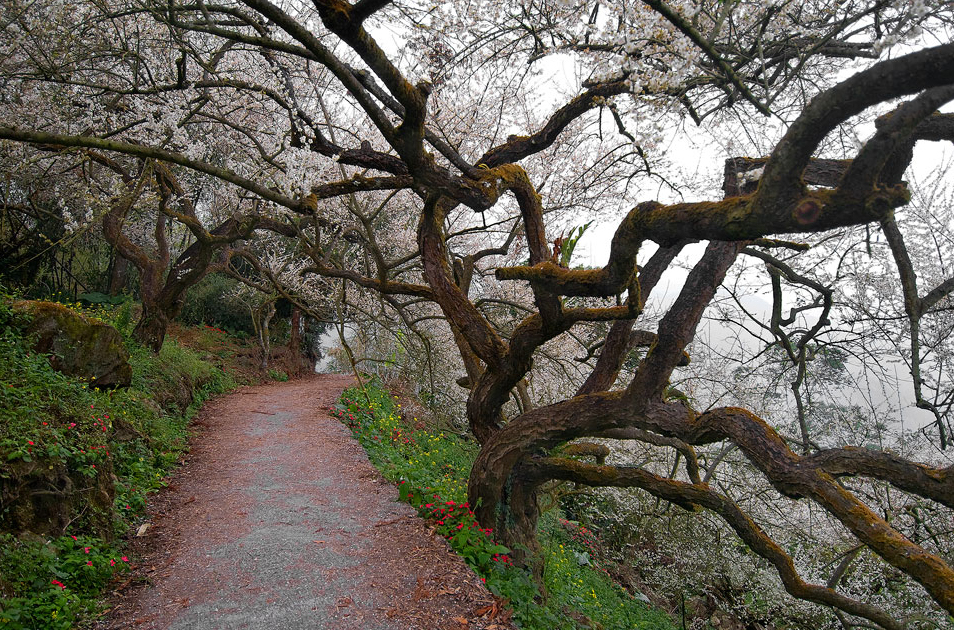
(277, 375)
(118, 439)
(431, 468)
(56, 581)
(212, 302)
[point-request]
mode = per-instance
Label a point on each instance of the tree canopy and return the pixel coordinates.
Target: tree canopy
(428, 168)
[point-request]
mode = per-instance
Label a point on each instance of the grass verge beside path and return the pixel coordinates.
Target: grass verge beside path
(431, 469)
(86, 445)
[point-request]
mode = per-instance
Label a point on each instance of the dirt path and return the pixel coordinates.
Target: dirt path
(279, 521)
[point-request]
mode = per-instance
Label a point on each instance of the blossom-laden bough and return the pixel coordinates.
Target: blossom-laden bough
(356, 147)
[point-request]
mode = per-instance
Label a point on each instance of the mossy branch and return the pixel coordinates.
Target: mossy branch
(689, 496)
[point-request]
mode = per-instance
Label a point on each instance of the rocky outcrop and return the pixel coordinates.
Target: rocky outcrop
(77, 345)
(44, 497)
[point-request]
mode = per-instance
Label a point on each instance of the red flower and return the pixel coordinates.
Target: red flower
(58, 583)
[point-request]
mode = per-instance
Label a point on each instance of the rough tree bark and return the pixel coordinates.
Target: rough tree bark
(163, 286)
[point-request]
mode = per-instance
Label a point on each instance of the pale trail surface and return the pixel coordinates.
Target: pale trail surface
(279, 521)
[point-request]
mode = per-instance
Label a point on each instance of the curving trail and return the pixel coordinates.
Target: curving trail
(279, 521)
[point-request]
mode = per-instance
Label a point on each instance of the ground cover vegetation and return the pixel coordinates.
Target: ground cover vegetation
(756, 362)
(94, 454)
(431, 467)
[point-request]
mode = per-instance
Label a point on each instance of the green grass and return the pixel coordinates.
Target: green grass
(431, 468)
(121, 438)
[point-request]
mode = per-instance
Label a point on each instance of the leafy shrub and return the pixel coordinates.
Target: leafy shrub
(61, 577)
(277, 375)
(208, 302)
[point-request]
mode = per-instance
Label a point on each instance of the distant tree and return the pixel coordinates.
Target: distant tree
(74, 66)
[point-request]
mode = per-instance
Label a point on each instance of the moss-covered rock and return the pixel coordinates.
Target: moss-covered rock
(77, 345)
(44, 496)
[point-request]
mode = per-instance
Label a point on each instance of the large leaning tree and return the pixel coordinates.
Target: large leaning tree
(417, 153)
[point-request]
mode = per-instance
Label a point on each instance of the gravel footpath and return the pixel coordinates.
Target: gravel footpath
(277, 520)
